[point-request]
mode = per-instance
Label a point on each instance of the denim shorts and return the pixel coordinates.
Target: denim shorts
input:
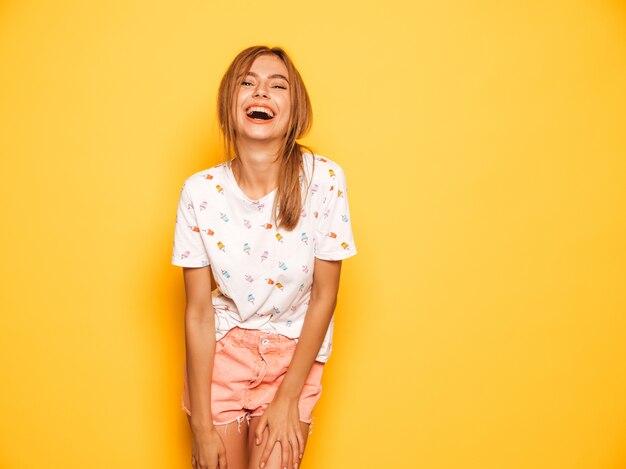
(249, 366)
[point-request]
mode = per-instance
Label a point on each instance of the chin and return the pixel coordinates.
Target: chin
(263, 136)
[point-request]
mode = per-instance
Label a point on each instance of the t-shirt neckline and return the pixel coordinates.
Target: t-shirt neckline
(238, 189)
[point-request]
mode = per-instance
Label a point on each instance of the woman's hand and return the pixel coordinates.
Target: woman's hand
(282, 418)
(208, 450)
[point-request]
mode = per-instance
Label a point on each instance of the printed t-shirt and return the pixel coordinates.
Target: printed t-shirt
(264, 275)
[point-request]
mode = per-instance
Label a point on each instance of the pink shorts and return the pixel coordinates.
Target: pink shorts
(249, 366)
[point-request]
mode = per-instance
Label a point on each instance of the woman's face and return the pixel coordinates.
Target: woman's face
(266, 89)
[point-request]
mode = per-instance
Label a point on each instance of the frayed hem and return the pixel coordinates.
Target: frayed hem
(239, 419)
(310, 424)
(248, 416)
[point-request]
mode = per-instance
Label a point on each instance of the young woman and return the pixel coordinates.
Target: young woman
(270, 227)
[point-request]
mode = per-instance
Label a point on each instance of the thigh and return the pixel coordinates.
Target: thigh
(274, 461)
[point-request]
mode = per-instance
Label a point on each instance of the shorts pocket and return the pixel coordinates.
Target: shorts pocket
(223, 344)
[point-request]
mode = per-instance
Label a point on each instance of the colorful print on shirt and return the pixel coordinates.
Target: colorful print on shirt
(264, 274)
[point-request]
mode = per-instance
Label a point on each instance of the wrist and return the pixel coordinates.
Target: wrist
(201, 426)
(288, 392)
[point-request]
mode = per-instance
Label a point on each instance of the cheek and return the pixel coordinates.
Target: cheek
(285, 109)
(240, 98)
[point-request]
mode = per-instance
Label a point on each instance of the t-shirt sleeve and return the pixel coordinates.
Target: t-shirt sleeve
(334, 239)
(188, 249)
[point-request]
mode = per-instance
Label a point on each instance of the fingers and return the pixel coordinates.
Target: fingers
(289, 448)
(285, 450)
(258, 434)
(300, 438)
(221, 459)
(269, 446)
(294, 451)
(194, 458)
(221, 463)
(204, 456)
(193, 453)
(291, 445)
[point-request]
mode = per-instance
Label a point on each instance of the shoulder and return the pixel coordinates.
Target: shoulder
(198, 182)
(325, 171)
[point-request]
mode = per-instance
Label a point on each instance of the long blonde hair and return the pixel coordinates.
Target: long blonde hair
(288, 192)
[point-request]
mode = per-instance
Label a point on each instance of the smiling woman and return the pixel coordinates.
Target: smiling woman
(260, 225)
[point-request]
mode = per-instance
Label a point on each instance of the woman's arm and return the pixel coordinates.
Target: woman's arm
(200, 343)
(207, 445)
(321, 307)
(281, 416)
(333, 243)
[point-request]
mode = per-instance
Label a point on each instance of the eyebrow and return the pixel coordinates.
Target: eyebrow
(275, 75)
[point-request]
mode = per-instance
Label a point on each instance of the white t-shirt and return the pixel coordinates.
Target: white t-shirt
(264, 275)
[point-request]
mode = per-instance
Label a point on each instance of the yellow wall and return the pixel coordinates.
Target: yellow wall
(482, 324)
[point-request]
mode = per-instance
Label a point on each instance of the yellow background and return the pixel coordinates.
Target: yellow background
(482, 324)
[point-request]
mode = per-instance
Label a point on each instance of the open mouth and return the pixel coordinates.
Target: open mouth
(258, 113)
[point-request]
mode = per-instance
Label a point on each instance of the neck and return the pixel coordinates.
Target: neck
(258, 150)
(256, 173)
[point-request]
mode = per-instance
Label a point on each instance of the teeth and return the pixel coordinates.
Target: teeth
(260, 109)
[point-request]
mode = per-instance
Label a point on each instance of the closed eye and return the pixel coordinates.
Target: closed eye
(275, 86)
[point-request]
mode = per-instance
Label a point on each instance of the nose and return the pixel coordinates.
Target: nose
(260, 90)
